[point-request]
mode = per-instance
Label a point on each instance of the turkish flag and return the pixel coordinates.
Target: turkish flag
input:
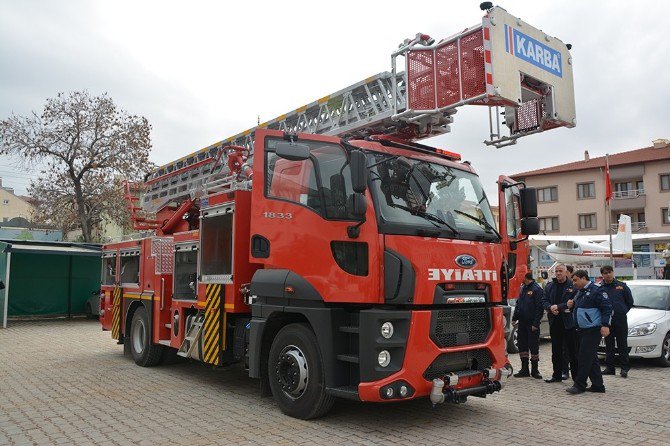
(608, 184)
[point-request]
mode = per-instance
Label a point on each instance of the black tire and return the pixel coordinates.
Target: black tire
(296, 373)
(88, 311)
(664, 360)
(144, 352)
(512, 346)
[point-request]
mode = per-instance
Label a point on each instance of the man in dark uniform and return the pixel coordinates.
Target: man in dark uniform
(527, 315)
(592, 314)
(566, 353)
(622, 301)
(557, 293)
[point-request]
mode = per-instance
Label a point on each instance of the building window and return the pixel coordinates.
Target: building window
(665, 218)
(587, 221)
(548, 224)
(665, 182)
(5, 201)
(547, 194)
(586, 190)
(623, 188)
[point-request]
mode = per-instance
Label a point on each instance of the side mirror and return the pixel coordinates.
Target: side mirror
(357, 205)
(292, 151)
(359, 171)
(528, 198)
(530, 226)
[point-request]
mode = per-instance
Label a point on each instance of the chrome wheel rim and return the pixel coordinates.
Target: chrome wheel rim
(666, 348)
(138, 336)
(291, 371)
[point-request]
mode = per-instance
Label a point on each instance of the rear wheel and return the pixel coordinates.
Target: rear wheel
(144, 352)
(512, 344)
(664, 360)
(296, 374)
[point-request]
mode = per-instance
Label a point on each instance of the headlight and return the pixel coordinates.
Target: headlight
(642, 329)
(384, 358)
(387, 330)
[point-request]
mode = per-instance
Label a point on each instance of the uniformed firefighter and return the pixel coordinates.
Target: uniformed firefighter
(527, 315)
(557, 293)
(592, 314)
(622, 301)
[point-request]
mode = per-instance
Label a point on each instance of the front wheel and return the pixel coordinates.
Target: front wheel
(664, 360)
(144, 353)
(296, 374)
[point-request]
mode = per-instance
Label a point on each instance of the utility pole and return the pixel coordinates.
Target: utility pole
(608, 198)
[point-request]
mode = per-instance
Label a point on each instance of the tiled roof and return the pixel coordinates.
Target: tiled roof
(643, 155)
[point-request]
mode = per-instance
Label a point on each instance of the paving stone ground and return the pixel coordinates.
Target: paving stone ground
(67, 382)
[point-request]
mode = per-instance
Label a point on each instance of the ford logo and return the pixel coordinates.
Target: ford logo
(466, 261)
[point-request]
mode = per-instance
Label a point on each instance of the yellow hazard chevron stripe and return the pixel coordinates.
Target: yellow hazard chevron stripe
(211, 336)
(116, 312)
(138, 296)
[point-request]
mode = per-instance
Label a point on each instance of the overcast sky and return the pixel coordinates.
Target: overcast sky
(206, 71)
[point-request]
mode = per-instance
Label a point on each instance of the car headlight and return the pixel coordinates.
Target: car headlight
(642, 329)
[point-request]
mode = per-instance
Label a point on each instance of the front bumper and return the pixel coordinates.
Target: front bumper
(649, 346)
(424, 361)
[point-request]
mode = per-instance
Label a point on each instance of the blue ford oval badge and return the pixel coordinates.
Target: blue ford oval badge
(466, 261)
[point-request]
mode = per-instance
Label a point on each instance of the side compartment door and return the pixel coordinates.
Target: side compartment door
(108, 286)
(517, 246)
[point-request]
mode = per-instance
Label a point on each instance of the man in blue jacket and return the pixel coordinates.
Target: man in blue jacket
(557, 293)
(527, 315)
(592, 314)
(622, 301)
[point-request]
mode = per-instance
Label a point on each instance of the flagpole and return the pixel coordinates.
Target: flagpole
(608, 197)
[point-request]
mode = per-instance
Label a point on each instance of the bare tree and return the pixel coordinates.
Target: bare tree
(89, 147)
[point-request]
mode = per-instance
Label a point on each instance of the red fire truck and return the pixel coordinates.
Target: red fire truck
(333, 254)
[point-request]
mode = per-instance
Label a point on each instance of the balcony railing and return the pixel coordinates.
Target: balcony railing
(624, 194)
(634, 226)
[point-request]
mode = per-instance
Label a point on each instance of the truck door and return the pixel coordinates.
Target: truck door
(300, 215)
(517, 247)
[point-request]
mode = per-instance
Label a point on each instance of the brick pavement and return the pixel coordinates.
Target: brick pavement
(67, 382)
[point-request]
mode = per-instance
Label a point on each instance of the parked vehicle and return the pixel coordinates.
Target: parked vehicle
(333, 254)
(649, 321)
(92, 306)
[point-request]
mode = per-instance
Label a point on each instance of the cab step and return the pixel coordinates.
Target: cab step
(348, 392)
(348, 358)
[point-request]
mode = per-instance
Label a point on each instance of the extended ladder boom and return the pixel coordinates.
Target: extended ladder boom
(501, 63)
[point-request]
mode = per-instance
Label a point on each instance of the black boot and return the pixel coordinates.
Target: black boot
(524, 369)
(535, 373)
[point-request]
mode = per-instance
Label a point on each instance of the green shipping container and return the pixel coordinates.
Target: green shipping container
(47, 278)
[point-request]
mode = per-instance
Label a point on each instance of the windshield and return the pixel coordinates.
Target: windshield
(650, 296)
(423, 198)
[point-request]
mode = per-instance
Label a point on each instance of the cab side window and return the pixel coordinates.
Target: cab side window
(322, 183)
(293, 181)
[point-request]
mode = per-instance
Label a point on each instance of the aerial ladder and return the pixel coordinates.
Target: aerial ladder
(523, 76)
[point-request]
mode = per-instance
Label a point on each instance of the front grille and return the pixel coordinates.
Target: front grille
(458, 362)
(464, 326)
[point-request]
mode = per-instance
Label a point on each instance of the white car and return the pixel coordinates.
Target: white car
(649, 320)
